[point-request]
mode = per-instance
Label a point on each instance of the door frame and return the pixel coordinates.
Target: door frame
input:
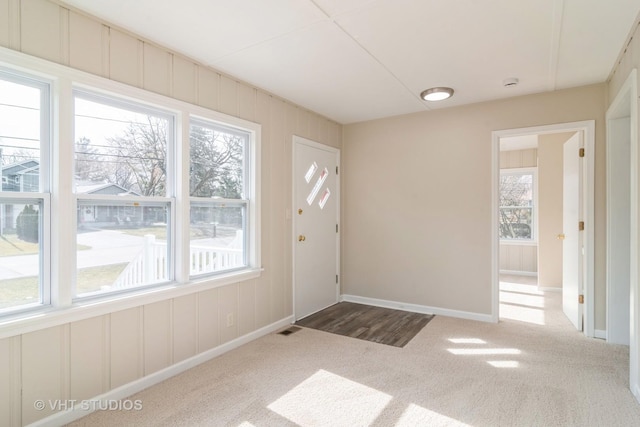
(298, 140)
(627, 98)
(588, 129)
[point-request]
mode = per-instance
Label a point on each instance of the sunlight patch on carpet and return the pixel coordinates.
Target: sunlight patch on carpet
(483, 351)
(326, 399)
(416, 415)
(467, 341)
(522, 314)
(503, 363)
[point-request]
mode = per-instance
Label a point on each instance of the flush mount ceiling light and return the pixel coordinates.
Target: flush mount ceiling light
(436, 93)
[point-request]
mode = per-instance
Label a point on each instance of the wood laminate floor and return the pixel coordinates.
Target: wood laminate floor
(377, 324)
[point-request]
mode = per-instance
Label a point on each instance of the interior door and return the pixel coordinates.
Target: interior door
(316, 219)
(571, 244)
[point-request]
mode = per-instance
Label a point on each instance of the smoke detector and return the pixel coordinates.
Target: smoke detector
(512, 81)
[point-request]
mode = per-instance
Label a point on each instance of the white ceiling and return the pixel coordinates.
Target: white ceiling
(356, 60)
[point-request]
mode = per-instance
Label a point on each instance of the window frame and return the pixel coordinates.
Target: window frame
(62, 221)
(31, 79)
(245, 197)
(131, 200)
(533, 171)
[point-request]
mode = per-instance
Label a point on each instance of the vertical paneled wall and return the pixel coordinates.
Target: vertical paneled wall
(82, 359)
(518, 257)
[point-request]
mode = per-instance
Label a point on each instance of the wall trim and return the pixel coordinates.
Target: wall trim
(520, 273)
(599, 333)
(416, 308)
(122, 392)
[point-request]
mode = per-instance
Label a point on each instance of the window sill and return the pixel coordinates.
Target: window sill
(47, 317)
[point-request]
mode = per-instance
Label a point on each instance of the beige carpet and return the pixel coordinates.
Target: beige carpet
(531, 369)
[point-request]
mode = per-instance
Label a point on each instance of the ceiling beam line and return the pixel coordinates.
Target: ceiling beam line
(556, 35)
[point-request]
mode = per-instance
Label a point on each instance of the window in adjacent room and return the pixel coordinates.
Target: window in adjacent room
(518, 204)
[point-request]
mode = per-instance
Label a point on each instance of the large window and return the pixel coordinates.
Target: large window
(109, 189)
(218, 186)
(518, 204)
(24, 198)
(123, 180)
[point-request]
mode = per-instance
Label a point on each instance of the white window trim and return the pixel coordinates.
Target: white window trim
(534, 238)
(31, 78)
(63, 309)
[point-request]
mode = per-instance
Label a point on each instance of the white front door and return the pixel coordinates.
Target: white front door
(572, 245)
(316, 219)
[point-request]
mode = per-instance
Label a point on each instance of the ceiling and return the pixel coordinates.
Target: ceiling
(357, 60)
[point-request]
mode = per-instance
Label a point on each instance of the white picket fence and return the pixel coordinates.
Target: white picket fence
(150, 265)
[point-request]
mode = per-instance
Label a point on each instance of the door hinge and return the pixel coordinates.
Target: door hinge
(580, 225)
(581, 152)
(580, 299)
(336, 278)
(336, 170)
(336, 228)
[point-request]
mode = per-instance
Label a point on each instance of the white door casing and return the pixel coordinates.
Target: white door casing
(571, 244)
(625, 105)
(315, 226)
(618, 230)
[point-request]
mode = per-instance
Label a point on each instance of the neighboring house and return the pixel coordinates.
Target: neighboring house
(21, 176)
(24, 176)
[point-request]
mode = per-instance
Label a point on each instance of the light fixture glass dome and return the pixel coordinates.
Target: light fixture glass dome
(436, 93)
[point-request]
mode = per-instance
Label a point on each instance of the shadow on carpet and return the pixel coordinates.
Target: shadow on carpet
(365, 322)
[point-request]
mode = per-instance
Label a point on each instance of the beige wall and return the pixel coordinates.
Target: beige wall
(82, 359)
(550, 177)
(417, 210)
(518, 258)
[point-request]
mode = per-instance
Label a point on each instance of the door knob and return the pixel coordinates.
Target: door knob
(301, 238)
(560, 236)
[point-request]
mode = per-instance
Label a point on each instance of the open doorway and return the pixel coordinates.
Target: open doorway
(517, 149)
(532, 225)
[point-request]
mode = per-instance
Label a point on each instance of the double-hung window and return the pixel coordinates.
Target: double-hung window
(518, 204)
(219, 188)
(25, 129)
(124, 189)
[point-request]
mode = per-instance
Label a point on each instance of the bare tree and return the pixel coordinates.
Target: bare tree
(216, 163)
(515, 206)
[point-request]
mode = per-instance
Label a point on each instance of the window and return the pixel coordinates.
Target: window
(114, 190)
(218, 186)
(518, 204)
(24, 198)
(123, 184)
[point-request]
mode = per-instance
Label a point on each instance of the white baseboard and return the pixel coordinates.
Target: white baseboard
(636, 391)
(599, 333)
(415, 308)
(520, 273)
(65, 417)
